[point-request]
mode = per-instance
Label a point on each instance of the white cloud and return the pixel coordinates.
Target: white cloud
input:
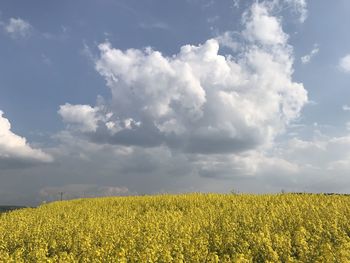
(251, 164)
(321, 153)
(307, 58)
(320, 164)
(14, 150)
(17, 27)
(299, 6)
(82, 117)
(236, 3)
(344, 63)
(346, 108)
(174, 99)
(262, 27)
(227, 40)
(85, 118)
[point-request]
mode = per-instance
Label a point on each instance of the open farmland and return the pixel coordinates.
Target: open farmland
(181, 228)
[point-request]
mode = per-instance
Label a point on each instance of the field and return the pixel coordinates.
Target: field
(181, 228)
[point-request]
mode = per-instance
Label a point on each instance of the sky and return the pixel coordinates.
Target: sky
(125, 97)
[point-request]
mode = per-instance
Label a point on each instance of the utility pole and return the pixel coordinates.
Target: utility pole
(61, 194)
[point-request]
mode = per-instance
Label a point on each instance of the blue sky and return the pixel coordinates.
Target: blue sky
(131, 97)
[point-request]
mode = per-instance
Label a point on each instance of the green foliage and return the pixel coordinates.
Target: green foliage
(181, 228)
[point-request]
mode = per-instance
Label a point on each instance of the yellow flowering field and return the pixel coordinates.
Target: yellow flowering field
(181, 228)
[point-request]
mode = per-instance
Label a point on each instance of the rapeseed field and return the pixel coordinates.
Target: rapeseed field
(181, 228)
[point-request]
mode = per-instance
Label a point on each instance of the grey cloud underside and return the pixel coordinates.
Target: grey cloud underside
(7, 163)
(148, 135)
(292, 165)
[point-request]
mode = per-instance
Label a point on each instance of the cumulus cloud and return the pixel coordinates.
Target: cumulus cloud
(197, 100)
(179, 122)
(14, 149)
(17, 27)
(307, 58)
(344, 64)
